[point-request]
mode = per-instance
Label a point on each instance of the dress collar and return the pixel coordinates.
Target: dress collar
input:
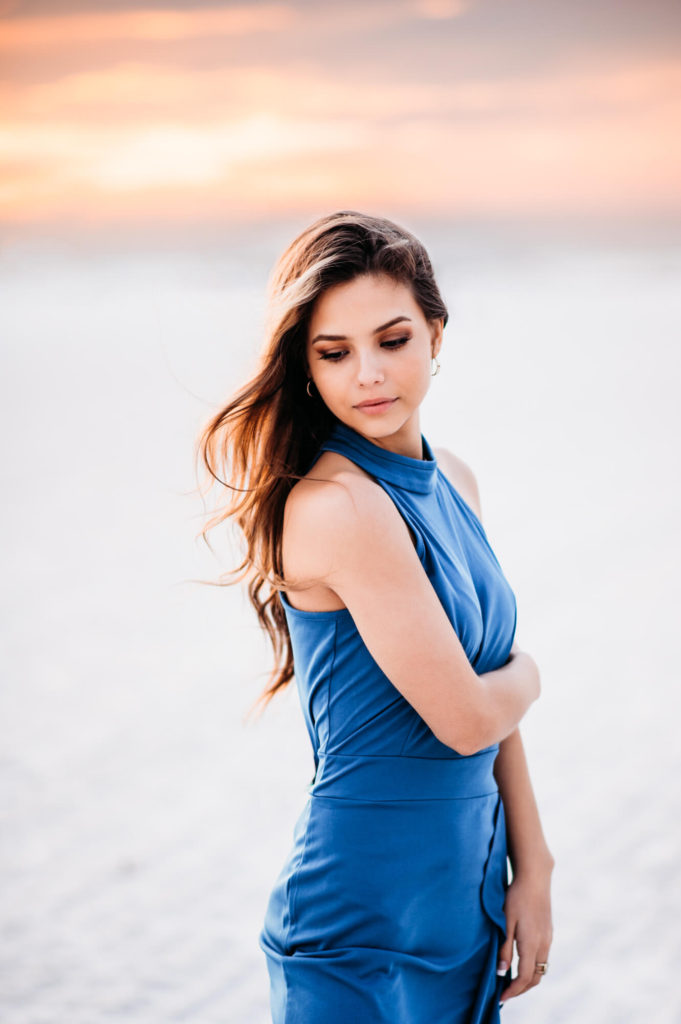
(419, 475)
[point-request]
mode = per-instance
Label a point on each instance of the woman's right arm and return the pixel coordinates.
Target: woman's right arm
(352, 539)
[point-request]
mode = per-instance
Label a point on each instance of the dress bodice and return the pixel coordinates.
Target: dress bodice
(349, 704)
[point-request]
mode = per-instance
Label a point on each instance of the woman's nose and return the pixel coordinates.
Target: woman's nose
(369, 371)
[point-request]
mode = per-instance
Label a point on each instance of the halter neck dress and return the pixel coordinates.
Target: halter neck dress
(389, 906)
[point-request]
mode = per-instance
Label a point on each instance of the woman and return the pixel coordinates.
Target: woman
(371, 571)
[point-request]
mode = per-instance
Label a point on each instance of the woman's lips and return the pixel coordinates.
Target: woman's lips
(376, 407)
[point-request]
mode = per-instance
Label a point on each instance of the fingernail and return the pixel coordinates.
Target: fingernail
(502, 967)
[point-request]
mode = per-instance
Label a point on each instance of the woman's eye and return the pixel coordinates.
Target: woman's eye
(333, 356)
(392, 344)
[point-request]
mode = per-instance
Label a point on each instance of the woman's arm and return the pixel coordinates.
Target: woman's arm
(526, 843)
(353, 539)
(528, 899)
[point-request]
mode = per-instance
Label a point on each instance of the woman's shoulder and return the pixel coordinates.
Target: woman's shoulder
(333, 487)
(461, 476)
(333, 508)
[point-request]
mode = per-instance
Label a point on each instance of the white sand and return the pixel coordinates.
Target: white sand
(143, 822)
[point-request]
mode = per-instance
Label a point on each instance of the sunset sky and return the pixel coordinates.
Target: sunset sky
(219, 112)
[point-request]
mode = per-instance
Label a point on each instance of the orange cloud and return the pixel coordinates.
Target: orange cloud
(139, 92)
(114, 26)
(441, 9)
(159, 25)
(268, 162)
(137, 137)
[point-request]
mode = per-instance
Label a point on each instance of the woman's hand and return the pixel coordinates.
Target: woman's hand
(528, 923)
(531, 670)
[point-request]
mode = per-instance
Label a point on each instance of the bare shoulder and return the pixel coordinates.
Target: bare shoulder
(460, 474)
(335, 505)
(335, 490)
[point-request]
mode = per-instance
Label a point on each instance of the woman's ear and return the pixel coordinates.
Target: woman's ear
(436, 329)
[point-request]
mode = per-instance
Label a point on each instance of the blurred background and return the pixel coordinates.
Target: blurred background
(156, 159)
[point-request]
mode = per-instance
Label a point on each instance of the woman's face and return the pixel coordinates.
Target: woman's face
(375, 345)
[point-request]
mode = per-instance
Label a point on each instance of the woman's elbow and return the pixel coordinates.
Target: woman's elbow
(467, 748)
(468, 738)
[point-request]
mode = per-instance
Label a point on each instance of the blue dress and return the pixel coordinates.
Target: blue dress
(389, 906)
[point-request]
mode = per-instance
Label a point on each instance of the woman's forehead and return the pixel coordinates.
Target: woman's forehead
(364, 303)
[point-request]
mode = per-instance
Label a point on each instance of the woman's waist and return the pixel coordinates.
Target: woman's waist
(377, 777)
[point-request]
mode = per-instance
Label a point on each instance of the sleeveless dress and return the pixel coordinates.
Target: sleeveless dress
(389, 906)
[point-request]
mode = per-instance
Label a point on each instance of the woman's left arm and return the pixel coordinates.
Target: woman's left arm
(528, 898)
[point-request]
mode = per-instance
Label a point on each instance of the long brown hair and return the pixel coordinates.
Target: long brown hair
(265, 438)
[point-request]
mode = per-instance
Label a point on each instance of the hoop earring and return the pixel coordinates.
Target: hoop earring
(433, 372)
(309, 381)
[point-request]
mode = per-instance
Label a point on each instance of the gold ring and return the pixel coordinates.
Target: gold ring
(541, 968)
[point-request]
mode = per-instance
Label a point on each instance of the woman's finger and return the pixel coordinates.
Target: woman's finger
(527, 976)
(505, 955)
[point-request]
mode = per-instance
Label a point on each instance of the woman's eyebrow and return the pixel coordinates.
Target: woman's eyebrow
(343, 337)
